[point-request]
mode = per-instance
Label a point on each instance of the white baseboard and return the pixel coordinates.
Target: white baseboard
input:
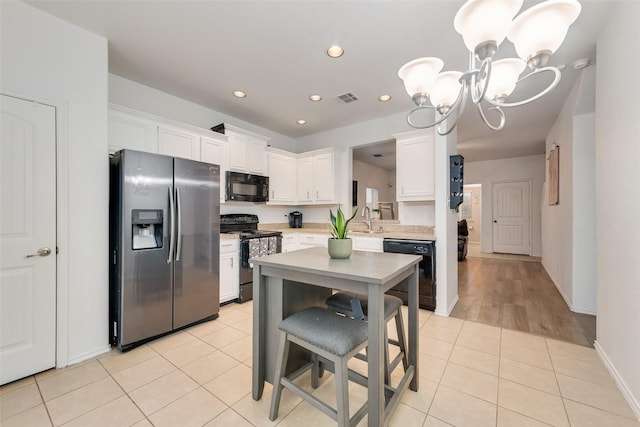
(629, 397)
(452, 306)
(87, 356)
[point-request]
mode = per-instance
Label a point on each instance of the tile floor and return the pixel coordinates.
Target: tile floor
(470, 375)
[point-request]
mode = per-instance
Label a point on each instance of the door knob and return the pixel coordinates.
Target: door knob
(41, 252)
(495, 220)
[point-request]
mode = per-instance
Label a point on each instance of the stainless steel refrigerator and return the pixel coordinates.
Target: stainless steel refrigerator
(164, 245)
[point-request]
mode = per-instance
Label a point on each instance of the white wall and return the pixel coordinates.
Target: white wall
(47, 59)
(617, 204)
(517, 168)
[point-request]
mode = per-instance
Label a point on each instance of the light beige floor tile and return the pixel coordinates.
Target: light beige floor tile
(143, 373)
(193, 409)
(532, 403)
(246, 307)
(439, 332)
(177, 339)
(80, 401)
(143, 423)
(162, 391)
(436, 348)
(19, 400)
(471, 381)
(70, 379)
(205, 369)
(257, 412)
(575, 351)
(526, 355)
(524, 339)
(230, 316)
(34, 417)
(588, 371)
(189, 352)
(53, 372)
(207, 328)
(461, 410)
(240, 350)
(588, 416)
(605, 398)
(446, 322)
(528, 375)
(244, 326)
(434, 422)
(405, 415)
(482, 330)
(116, 361)
(231, 386)
(480, 343)
(229, 418)
(223, 337)
(12, 386)
(119, 412)
(485, 362)
(507, 418)
(431, 367)
(421, 399)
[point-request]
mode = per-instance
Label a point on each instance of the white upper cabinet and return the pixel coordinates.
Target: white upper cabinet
(132, 132)
(282, 177)
(317, 177)
(212, 151)
(415, 168)
(177, 142)
(246, 151)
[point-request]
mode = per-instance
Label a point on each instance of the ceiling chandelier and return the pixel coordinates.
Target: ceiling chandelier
(536, 34)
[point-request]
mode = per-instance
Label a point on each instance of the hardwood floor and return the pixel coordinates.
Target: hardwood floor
(518, 295)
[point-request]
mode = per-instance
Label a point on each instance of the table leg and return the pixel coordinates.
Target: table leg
(413, 325)
(376, 356)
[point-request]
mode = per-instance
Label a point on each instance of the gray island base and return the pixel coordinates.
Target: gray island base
(288, 282)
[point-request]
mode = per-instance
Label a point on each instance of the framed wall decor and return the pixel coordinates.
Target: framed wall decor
(554, 175)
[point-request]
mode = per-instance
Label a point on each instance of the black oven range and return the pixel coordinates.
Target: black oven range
(253, 243)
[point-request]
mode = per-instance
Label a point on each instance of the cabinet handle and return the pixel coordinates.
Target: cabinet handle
(231, 262)
(307, 194)
(227, 245)
(317, 194)
(273, 194)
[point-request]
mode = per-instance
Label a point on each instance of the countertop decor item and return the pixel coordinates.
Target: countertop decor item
(339, 245)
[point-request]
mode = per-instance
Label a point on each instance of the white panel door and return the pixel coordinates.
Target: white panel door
(511, 218)
(27, 239)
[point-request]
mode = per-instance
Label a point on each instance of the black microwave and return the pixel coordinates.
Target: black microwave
(244, 187)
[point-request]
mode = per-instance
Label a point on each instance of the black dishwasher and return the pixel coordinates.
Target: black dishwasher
(427, 285)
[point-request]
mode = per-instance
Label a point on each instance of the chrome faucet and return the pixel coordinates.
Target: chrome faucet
(366, 213)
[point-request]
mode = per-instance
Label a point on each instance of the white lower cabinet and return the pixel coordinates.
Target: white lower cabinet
(290, 242)
(369, 244)
(310, 240)
(229, 269)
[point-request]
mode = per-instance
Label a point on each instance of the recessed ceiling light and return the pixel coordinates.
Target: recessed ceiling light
(315, 98)
(384, 98)
(239, 94)
(301, 122)
(335, 51)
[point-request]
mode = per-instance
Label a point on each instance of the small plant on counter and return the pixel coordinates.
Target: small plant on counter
(339, 223)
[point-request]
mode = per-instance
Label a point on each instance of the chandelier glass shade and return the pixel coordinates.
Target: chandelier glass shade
(484, 24)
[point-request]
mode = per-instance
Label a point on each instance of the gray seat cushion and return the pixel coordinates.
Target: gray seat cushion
(342, 301)
(326, 329)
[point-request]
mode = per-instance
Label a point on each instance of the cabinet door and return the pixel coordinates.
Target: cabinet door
(237, 148)
(369, 244)
(290, 242)
(305, 180)
(132, 132)
(178, 142)
(415, 172)
(257, 159)
(212, 151)
(282, 178)
(323, 178)
(229, 271)
(312, 240)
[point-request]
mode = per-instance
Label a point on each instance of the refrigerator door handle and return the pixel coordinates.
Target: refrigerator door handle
(172, 226)
(179, 220)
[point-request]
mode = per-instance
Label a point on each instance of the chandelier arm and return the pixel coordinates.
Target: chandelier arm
(485, 69)
(486, 121)
(457, 107)
(549, 88)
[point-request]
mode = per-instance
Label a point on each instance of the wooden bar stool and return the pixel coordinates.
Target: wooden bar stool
(331, 336)
(357, 306)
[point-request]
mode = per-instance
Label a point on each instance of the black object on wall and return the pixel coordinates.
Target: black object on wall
(456, 182)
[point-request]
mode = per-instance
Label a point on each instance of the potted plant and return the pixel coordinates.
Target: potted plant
(339, 244)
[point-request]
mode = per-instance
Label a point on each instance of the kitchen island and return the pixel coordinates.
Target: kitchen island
(289, 282)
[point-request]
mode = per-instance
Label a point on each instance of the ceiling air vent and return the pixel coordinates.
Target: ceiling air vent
(347, 97)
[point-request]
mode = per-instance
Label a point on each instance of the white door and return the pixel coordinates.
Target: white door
(27, 239)
(511, 218)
